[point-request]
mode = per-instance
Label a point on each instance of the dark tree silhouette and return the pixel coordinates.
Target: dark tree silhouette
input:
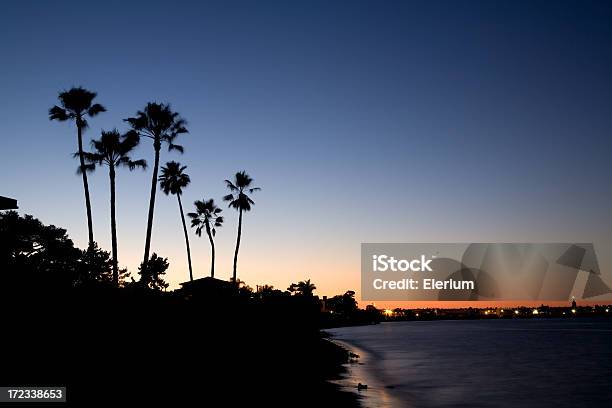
(207, 217)
(243, 288)
(151, 272)
(344, 304)
(302, 288)
(43, 257)
(159, 123)
(76, 104)
(172, 181)
(239, 199)
(113, 150)
(96, 267)
(34, 254)
(268, 291)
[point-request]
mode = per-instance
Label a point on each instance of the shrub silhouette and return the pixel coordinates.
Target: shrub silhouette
(152, 271)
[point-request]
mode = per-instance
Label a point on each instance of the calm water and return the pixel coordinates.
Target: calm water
(492, 363)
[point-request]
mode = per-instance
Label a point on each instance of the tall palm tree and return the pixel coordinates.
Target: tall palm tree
(77, 104)
(159, 123)
(172, 181)
(207, 217)
(113, 150)
(239, 199)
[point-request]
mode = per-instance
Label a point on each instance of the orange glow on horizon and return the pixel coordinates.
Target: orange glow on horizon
(475, 304)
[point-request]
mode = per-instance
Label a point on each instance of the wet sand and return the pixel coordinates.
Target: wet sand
(364, 370)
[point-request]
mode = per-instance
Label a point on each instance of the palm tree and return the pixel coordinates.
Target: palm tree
(172, 181)
(207, 217)
(76, 104)
(240, 200)
(302, 288)
(113, 150)
(159, 123)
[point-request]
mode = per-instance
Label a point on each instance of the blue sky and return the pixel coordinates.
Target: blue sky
(363, 121)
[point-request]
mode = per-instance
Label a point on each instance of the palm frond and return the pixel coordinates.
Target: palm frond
(138, 122)
(231, 186)
(172, 146)
(129, 141)
(114, 149)
(95, 109)
(57, 113)
(91, 158)
(77, 100)
(173, 179)
(158, 121)
(241, 184)
(88, 168)
(132, 164)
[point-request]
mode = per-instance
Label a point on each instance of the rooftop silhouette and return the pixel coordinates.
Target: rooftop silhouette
(8, 203)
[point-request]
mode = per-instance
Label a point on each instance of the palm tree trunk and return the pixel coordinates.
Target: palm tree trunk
(212, 248)
(237, 244)
(85, 183)
(186, 236)
(114, 227)
(157, 147)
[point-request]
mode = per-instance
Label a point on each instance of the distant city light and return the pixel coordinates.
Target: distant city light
(417, 315)
(573, 310)
(607, 310)
(535, 311)
(388, 312)
(516, 312)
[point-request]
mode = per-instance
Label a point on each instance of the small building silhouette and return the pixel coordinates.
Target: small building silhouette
(8, 203)
(207, 287)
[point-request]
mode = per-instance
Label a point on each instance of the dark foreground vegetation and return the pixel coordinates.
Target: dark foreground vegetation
(67, 324)
(109, 345)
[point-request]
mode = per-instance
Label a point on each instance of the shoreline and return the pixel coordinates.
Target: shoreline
(361, 370)
(411, 364)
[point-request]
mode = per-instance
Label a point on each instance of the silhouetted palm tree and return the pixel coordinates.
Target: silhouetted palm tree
(241, 202)
(172, 181)
(113, 150)
(159, 123)
(76, 104)
(302, 288)
(207, 217)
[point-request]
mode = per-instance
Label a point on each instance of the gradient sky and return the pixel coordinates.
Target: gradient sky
(363, 121)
